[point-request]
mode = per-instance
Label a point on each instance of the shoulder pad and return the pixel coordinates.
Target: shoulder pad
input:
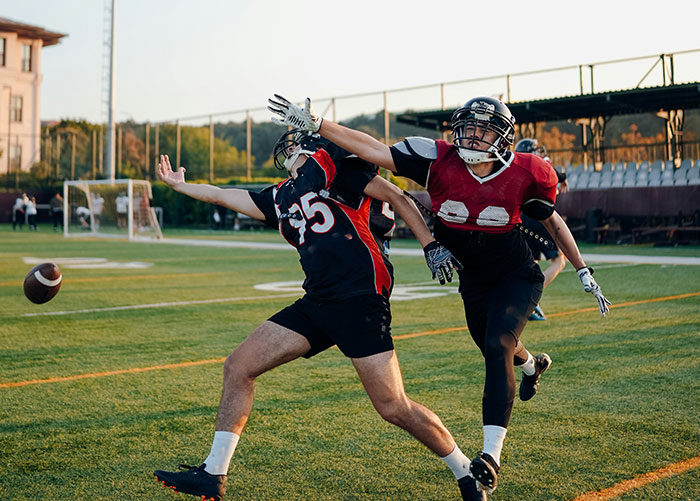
(421, 147)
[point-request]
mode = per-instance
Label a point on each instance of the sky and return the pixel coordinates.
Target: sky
(183, 58)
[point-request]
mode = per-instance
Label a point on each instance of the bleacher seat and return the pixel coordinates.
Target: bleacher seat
(657, 165)
(572, 177)
(619, 166)
(607, 167)
(668, 175)
(654, 178)
(631, 165)
(686, 163)
(630, 177)
(594, 180)
(582, 182)
(618, 178)
(642, 177)
(606, 179)
(693, 174)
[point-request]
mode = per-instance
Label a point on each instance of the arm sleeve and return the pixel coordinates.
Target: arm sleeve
(561, 176)
(410, 165)
(539, 203)
(264, 200)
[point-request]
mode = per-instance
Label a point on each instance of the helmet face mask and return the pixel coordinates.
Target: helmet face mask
(483, 129)
(293, 143)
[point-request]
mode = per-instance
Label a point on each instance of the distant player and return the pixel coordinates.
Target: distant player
(557, 260)
(478, 190)
(323, 210)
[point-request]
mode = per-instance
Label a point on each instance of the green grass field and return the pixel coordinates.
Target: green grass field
(622, 397)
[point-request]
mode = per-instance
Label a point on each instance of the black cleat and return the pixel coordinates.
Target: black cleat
(485, 471)
(467, 487)
(194, 480)
(529, 384)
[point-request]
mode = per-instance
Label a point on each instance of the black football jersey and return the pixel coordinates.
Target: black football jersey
(324, 214)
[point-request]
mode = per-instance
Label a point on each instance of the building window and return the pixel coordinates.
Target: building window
(2, 51)
(16, 108)
(26, 57)
(16, 156)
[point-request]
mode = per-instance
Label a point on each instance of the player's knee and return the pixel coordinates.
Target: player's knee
(499, 346)
(393, 410)
(236, 368)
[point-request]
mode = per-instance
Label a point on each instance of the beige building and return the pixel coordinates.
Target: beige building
(20, 91)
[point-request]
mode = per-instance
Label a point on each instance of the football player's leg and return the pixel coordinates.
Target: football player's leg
(267, 347)
(556, 265)
(510, 303)
(381, 376)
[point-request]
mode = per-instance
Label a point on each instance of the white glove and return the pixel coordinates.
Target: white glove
(293, 115)
(585, 274)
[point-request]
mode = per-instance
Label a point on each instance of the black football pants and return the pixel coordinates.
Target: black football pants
(496, 316)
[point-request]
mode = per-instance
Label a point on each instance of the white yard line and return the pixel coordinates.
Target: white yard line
(158, 305)
(595, 258)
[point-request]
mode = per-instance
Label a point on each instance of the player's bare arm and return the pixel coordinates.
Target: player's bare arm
(439, 260)
(562, 236)
(363, 145)
(381, 189)
(234, 199)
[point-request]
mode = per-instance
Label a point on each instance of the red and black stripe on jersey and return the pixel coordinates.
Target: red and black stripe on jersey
(338, 252)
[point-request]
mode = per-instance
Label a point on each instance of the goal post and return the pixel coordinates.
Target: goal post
(104, 208)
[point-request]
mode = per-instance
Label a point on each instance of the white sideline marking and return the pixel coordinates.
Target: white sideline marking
(402, 292)
(87, 262)
(597, 258)
(155, 305)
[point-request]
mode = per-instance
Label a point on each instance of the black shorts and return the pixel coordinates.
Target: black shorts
(536, 247)
(360, 326)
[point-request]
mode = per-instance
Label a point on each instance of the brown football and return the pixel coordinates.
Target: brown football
(42, 283)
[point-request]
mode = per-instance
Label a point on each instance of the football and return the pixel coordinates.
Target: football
(42, 283)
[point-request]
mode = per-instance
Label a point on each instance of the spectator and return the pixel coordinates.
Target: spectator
(18, 211)
(98, 204)
(83, 214)
(31, 214)
(122, 210)
(56, 204)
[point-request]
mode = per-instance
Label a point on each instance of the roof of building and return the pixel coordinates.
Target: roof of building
(622, 102)
(30, 31)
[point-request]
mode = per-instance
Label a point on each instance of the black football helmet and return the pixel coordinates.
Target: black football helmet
(294, 142)
(530, 145)
(477, 117)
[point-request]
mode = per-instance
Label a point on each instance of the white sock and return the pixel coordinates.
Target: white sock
(493, 441)
(528, 367)
(458, 463)
(222, 449)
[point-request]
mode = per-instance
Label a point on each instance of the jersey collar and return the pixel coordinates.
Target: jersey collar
(482, 180)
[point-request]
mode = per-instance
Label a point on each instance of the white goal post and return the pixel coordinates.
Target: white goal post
(119, 208)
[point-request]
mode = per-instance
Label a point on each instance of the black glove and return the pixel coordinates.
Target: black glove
(440, 261)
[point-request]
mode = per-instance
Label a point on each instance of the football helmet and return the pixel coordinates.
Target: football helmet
(530, 145)
(293, 143)
(474, 120)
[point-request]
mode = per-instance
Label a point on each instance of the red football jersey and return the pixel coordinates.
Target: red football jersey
(491, 204)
